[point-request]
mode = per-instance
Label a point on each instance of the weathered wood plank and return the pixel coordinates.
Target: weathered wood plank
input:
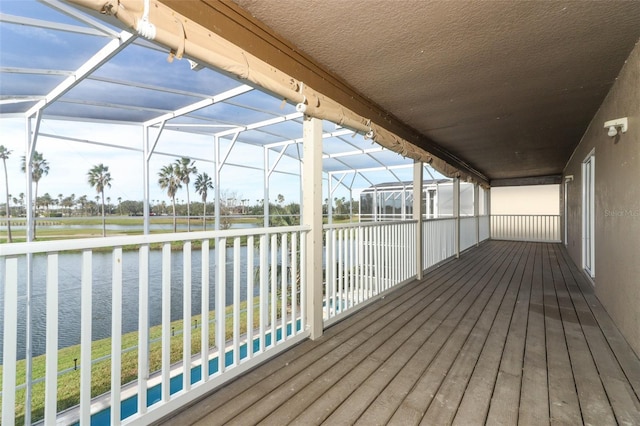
(474, 406)
(506, 395)
(626, 357)
(426, 368)
(445, 403)
(624, 401)
(389, 358)
(298, 357)
(510, 333)
(354, 403)
(534, 392)
(594, 405)
(564, 407)
(271, 392)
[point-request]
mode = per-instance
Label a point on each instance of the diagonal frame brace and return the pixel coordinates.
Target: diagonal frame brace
(112, 48)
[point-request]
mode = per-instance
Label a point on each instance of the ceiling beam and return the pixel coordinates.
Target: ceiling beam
(535, 180)
(236, 25)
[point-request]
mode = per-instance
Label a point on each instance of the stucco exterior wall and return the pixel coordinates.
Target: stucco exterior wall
(617, 202)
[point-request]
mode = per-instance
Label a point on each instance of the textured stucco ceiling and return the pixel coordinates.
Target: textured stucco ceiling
(509, 87)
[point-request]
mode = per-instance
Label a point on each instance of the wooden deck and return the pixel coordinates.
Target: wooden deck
(511, 333)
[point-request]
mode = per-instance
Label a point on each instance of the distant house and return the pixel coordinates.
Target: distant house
(394, 200)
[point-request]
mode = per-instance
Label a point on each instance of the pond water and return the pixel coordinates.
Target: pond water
(70, 286)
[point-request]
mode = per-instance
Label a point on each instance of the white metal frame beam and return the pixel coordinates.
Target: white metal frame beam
(95, 62)
(76, 14)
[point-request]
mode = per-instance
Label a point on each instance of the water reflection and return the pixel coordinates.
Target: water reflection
(70, 285)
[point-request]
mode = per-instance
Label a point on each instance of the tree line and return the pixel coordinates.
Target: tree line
(171, 178)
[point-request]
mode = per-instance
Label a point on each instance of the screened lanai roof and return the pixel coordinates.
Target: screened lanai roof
(71, 66)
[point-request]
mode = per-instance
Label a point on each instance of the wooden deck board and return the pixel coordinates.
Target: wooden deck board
(505, 400)
(446, 401)
(510, 333)
(403, 387)
(593, 401)
(534, 392)
(623, 399)
(351, 407)
(563, 399)
(477, 396)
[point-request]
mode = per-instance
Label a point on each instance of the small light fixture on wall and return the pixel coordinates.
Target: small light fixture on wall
(620, 124)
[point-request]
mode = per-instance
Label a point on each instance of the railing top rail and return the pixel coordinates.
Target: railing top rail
(367, 224)
(438, 219)
(526, 215)
(15, 249)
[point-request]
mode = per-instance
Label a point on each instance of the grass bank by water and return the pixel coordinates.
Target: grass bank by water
(69, 378)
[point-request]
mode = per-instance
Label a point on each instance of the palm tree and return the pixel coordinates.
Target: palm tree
(83, 201)
(4, 154)
(22, 210)
(169, 180)
(46, 201)
(185, 168)
(100, 178)
(203, 184)
(39, 168)
(68, 203)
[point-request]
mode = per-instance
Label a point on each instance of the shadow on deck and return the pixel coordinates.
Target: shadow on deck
(509, 333)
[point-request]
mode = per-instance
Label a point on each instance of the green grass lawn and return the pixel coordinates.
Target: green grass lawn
(45, 233)
(69, 382)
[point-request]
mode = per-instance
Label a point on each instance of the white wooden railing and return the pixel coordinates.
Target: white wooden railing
(439, 241)
(264, 286)
(364, 260)
(261, 285)
(537, 228)
(468, 232)
(484, 227)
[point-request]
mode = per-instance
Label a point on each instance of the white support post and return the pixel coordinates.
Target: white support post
(476, 211)
(487, 207)
(10, 327)
(417, 214)
(265, 201)
(216, 181)
(375, 204)
(456, 212)
(145, 179)
(32, 139)
(312, 216)
(143, 326)
(329, 199)
(351, 198)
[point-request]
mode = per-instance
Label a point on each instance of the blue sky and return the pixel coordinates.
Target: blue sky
(46, 50)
